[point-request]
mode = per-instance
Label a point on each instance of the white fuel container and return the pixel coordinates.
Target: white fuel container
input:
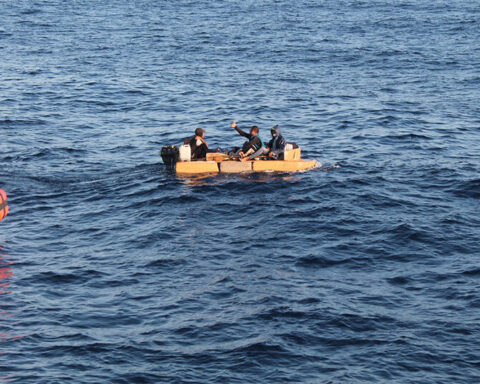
(185, 152)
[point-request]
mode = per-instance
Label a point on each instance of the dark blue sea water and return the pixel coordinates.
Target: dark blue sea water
(113, 270)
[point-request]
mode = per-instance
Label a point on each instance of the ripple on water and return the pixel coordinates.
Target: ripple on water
(115, 270)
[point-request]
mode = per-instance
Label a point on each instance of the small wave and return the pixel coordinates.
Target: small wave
(46, 152)
(3, 33)
(405, 231)
(399, 280)
(33, 72)
(406, 137)
(325, 262)
(264, 347)
(164, 263)
(31, 23)
(469, 188)
(67, 278)
(32, 11)
(20, 122)
(474, 272)
(283, 311)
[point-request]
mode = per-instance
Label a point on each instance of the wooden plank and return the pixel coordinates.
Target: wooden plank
(235, 166)
(191, 167)
(283, 165)
(216, 156)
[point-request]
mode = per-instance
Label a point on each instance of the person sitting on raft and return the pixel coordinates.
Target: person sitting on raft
(253, 147)
(198, 145)
(276, 145)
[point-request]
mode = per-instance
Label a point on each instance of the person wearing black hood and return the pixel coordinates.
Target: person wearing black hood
(277, 144)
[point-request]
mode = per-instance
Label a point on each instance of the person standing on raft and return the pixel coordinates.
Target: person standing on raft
(253, 147)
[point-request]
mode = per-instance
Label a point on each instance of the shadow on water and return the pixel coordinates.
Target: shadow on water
(217, 179)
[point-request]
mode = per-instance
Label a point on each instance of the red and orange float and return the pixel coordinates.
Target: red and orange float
(3, 204)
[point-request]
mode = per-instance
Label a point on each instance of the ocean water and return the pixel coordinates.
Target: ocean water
(365, 270)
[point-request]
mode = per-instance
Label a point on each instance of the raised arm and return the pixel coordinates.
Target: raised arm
(244, 134)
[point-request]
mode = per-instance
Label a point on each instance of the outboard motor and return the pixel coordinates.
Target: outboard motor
(170, 155)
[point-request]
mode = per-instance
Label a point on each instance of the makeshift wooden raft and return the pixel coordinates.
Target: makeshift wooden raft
(220, 162)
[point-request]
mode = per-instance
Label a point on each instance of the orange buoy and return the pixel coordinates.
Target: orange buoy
(3, 204)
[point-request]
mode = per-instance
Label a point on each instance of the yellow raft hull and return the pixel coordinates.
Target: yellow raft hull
(283, 165)
(220, 162)
(196, 167)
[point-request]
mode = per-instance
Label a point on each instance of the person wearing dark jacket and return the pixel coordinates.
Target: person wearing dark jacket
(253, 147)
(277, 144)
(198, 145)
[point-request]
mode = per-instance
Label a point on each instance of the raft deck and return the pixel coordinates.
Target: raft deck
(220, 162)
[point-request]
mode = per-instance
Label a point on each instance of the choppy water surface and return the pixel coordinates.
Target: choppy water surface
(113, 270)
